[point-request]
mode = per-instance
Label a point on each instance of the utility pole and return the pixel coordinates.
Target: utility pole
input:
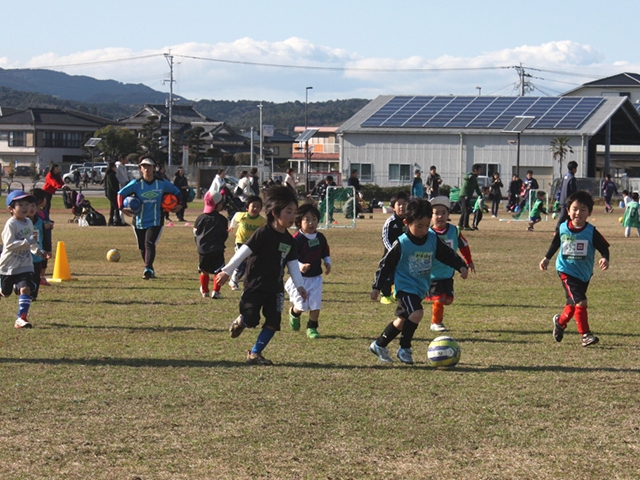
(523, 84)
(261, 138)
(169, 58)
(251, 157)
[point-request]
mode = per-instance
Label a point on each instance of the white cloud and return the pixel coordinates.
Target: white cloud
(197, 78)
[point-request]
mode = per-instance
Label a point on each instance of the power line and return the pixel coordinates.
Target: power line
(99, 62)
(343, 69)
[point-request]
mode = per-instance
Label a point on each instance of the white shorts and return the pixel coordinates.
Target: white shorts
(313, 286)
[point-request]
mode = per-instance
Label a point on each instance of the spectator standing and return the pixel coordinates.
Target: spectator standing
(417, 188)
(568, 188)
(245, 186)
(609, 189)
(290, 181)
(218, 182)
(111, 187)
(52, 182)
(495, 194)
(182, 184)
(515, 187)
(255, 181)
(433, 182)
(469, 187)
(354, 181)
(121, 171)
(529, 185)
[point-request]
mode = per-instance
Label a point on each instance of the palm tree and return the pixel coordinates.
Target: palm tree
(560, 148)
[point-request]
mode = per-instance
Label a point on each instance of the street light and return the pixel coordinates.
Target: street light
(479, 90)
(306, 150)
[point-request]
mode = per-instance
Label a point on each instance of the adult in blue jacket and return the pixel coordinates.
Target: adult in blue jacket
(148, 221)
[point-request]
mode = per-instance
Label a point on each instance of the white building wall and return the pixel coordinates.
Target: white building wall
(453, 155)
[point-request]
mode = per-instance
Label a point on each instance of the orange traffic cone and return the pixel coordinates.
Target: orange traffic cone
(61, 272)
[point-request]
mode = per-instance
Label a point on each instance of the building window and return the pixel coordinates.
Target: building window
(62, 139)
(399, 173)
(17, 139)
(365, 171)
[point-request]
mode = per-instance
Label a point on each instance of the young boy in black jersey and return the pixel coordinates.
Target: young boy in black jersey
(409, 262)
(267, 251)
(392, 229)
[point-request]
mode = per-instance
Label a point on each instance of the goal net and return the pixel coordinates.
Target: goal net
(339, 208)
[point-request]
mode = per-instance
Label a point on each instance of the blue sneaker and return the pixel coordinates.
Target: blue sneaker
(405, 355)
(381, 352)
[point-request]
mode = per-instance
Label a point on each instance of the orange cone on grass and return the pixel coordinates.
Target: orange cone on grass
(61, 271)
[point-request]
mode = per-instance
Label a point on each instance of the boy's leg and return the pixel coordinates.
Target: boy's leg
(272, 311)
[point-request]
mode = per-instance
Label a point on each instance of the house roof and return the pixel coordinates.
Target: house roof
(487, 115)
(276, 138)
(180, 114)
(54, 117)
(620, 80)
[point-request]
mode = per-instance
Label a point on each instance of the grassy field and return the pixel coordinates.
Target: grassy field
(127, 379)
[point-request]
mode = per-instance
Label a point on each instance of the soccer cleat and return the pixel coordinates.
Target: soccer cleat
(148, 273)
(233, 285)
(405, 355)
(529, 229)
(236, 327)
(257, 359)
(589, 339)
(558, 331)
(216, 295)
(438, 327)
(381, 352)
(386, 300)
(294, 322)
(22, 322)
(312, 333)
(203, 293)
(44, 282)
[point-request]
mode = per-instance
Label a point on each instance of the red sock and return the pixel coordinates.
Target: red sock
(216, 286)
(204, 282)
(567, 314)
(437, 312)
(582, 320)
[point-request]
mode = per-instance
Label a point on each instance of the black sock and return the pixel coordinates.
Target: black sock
(408, 329)
(388, 334)
(292, 312)
(311, 324)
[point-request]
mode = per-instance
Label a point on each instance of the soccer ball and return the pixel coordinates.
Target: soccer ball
(132, 203)
(444, 352)
(554, 216)
(113, 255)
(621, 219)
(169, 202)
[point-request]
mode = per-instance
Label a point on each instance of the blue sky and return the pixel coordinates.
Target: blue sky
(351, 41)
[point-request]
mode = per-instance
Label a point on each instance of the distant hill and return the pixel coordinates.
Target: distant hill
(110, 99)
(78, 87)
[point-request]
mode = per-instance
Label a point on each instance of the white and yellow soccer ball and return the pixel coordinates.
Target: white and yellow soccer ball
(444, 352)
(113, 255)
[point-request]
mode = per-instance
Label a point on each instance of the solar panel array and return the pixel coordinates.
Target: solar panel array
(483, 112)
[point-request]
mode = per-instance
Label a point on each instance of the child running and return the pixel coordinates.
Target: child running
(313, 249)
(441, 289)
(16, 264)
(537, 210)
(38, 234)
(391, 230)
(210, 231)
(480, 207)
(577, 241)
(248, 222)
(267, 252)
(47, 225)
(410, 261)
(630, 219)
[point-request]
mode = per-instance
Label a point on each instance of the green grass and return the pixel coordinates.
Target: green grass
(122, 378)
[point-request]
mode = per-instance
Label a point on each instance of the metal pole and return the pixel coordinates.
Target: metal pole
(251, 147)
(306, 149)
(518, 158)
(260, 157)
(170, 137)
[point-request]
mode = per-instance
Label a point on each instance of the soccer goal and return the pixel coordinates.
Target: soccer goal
(523, 210)
(339, 208)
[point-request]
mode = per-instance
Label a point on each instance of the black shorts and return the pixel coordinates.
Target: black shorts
(211, 262)
(575, 289)
(271, 304)
(407, 304)
(441, 290)
(18, 281)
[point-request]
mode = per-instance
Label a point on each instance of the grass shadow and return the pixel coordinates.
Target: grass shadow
(132, 328)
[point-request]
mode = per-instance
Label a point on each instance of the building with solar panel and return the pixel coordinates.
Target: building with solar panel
(395, 134)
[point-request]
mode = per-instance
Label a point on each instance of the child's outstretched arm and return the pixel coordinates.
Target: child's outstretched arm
(553, 248)
(296, 277)
(446, 255)
(239, 257)
(602, 246)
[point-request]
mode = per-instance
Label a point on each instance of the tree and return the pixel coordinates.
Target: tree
(196, 143)
(560, 148)
(150, 136)
(116, 141)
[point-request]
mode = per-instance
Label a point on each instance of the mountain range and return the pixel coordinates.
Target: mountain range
(24, 88)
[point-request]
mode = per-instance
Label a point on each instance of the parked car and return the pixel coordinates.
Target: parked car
(99, 174)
